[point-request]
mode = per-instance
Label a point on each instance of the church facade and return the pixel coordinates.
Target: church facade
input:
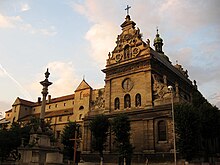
(136, 83)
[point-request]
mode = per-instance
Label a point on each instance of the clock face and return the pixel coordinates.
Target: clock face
(118, 57)
(127, 85)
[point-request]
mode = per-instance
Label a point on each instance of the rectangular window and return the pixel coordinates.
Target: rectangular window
(60, 118)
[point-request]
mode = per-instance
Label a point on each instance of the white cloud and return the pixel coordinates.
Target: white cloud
(181, 22)
(9, 22)
(103, 33)
(4, 106)
(101, 42)
(18, 23)
(25, 7)
(63, 77)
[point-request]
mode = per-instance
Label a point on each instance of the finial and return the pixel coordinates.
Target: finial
(127, 8)
(176, 62)
(157, 29)
(47, 73)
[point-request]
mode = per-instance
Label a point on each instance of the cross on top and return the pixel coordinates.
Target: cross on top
(127, 8)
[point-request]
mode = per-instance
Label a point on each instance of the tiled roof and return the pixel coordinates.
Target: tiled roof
(170, 66)
(31, 104)
(23, 102)
(49, 114)
(63, 98)
(10, 110)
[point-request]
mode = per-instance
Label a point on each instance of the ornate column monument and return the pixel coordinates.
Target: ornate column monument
(44, 92)
(39, 150)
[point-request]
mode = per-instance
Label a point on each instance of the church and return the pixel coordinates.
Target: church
(137, 78)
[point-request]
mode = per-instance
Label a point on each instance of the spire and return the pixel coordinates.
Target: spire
(158, 43)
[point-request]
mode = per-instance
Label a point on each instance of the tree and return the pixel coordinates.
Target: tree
(69, 132)
(197, 128)
(99, 127)
(121, 129)
(209, 117)
(187, 130)
(11, 139)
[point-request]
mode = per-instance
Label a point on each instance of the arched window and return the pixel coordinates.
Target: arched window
(117, 103)
(138, 100)
(127, 52)
(162, 132)
(81, 108)
(127, 101)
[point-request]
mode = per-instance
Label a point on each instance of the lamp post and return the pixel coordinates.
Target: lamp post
(170, 88)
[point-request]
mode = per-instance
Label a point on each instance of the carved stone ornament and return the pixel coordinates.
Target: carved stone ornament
(160, 89)
(127, 85)
(118, 57)
(133, 67)
(135, 51)
(99, 103)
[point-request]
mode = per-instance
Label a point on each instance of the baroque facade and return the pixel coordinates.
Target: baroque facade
(136, 83)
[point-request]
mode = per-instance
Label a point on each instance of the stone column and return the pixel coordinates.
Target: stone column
(44, 92)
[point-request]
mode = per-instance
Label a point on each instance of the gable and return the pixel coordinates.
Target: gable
(83, 85)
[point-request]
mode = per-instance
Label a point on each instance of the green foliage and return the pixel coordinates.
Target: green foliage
(99, 127)
(11, 139)
(197, 127)
(69, 132)
(187, 130)
(121, 128)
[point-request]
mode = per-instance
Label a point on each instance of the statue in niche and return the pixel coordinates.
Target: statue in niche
(138, 100)
(127, 52)
(127, 101)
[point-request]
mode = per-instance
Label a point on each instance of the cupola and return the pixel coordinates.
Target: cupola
(158, 43)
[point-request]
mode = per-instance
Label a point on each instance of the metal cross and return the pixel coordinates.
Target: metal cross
(75, 147)
(127, 8)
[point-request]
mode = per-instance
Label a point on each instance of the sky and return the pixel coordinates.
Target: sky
(73, 37)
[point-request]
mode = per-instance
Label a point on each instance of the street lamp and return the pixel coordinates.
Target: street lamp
(170, 88)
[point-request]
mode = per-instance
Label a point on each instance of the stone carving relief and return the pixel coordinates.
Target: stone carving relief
(99, 102)
(129, 45)
(160, 89)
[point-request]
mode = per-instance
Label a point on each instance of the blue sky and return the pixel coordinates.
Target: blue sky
(73, 38)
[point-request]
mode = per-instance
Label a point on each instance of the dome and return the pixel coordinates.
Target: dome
(158, 39)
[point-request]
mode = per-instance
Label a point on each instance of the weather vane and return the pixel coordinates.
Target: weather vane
(127, 8)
